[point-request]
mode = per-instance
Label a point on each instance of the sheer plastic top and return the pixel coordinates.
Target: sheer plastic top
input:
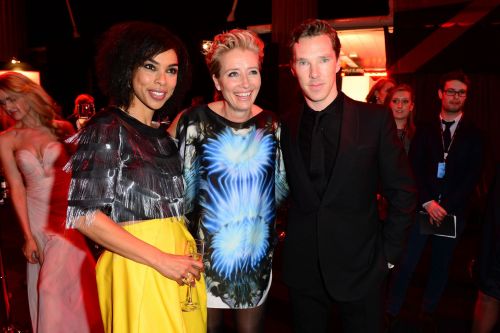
(124, 168)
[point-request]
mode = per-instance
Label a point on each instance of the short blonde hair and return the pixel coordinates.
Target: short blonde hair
(233, 39)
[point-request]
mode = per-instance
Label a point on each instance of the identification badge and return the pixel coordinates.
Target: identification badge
(441, 170)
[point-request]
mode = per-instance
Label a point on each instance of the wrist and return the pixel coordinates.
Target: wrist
(156, 258)
(29, 238)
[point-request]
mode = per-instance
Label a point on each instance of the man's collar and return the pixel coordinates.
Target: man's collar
(456, 119)
(333, 105)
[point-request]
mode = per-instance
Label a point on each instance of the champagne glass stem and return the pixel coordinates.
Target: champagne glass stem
(189, 296)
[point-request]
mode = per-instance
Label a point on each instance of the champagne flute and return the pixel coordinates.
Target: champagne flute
(195, 249)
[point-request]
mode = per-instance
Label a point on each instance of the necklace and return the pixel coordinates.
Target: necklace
(402, 133)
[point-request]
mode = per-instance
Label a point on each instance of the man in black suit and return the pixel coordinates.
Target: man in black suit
(446, 157)
(338, 153)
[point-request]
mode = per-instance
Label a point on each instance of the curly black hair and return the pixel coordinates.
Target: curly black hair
(125, 47)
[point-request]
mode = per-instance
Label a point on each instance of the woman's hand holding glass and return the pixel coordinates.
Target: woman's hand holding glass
(195, 249)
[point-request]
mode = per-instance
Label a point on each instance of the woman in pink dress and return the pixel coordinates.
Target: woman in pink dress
(61, 283)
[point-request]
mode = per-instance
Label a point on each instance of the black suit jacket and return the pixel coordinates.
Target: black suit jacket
(463, 165)
(341, 232)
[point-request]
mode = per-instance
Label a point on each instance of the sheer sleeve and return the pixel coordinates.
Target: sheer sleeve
(281, 185)
(187, 134)
(94, 168)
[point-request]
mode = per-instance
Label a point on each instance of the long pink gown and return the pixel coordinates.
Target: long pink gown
(62, 290)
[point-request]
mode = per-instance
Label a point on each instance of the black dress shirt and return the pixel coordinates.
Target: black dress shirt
(319, 137)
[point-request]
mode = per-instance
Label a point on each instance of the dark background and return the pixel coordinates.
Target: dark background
(66, 62)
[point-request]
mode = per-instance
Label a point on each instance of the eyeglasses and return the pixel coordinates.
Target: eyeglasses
(451, 92)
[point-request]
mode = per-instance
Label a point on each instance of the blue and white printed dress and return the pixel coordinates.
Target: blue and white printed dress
(235, 179)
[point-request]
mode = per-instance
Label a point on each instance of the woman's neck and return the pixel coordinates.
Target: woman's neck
(29, 121)
(233, 115)
(222, 109)
(144, 116)
(401, 123)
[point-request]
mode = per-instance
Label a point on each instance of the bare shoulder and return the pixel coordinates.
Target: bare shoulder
(256, 110)
(8, 142)
(8, 136)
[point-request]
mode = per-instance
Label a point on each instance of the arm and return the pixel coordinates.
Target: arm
(106, 232)
(231, 17)
(90, 194)
(18, 194)
(418, 154)
(470, 175)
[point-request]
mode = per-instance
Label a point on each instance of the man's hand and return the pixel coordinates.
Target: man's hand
(436, 212)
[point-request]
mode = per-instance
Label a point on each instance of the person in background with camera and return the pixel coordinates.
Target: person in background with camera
(62, 292)
(83, 111)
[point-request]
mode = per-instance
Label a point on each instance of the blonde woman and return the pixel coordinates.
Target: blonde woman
(235, 180)
(62, 292)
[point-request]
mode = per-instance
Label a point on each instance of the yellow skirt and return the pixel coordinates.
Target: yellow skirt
(135, 298)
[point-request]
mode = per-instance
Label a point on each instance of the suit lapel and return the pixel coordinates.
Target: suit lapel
(349, 132)
(459, 135)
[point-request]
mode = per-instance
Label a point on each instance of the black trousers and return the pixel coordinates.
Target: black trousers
(312, 311)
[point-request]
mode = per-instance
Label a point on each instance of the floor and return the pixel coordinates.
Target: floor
(454, 314)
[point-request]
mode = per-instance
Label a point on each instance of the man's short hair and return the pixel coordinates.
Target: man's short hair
(458, 75)
(313, 28)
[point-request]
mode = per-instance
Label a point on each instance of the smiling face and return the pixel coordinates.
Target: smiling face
(154, 82)
(315, 66)
(239, 80)
(401, 105)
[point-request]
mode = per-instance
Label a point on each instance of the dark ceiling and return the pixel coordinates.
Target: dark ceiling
(50, 20)
(53, 49)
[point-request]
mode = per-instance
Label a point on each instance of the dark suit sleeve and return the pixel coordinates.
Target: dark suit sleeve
(398, 187)
(426, 152)
(471, 172)
(418, 157)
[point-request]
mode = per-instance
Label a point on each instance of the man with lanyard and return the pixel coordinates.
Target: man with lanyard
(446, 157)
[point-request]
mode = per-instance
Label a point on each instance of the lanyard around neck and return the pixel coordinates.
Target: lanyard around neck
(447, 149)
